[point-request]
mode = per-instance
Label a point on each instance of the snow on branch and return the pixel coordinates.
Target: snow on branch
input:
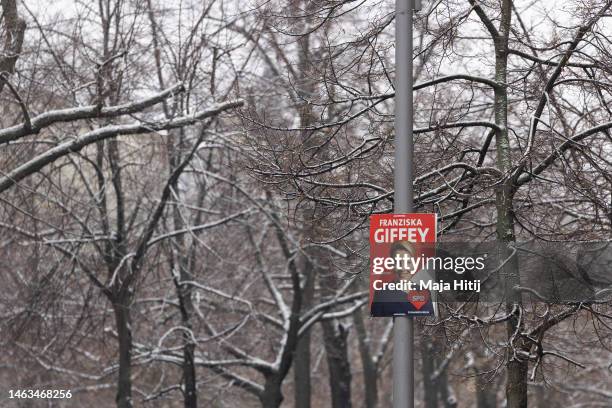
(46, 119)
(106, 132)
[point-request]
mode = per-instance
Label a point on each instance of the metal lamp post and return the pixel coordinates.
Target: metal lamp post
(403, 327)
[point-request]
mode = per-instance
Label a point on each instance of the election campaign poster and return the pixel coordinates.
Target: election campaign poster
(400, 281)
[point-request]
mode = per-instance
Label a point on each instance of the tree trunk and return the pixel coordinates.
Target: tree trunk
(301, 368)
(430, 387)
(486, 391)
(301, 372)
(183, 255)
(446, 392)
(190, 398)
(15, 29)
(335, 336)
(436, 390)
(184, 291)
(124, 336)
(370, 372)
(272, 397)
(516, 385)
(485, 396)
(189, 376)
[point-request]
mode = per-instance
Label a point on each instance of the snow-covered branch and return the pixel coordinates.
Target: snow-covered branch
(106, 132)
(39, 122)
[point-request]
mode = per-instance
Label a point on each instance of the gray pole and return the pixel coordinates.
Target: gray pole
(403, 328)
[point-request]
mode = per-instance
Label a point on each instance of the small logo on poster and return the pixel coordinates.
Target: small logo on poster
(418, 298)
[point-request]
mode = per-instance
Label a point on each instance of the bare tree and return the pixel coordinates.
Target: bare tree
(186, 189)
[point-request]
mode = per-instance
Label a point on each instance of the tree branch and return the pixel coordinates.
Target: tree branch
(485, 19)
(106, 132)
(86, 112)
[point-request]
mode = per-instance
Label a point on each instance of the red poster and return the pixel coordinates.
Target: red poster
(399, 247)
